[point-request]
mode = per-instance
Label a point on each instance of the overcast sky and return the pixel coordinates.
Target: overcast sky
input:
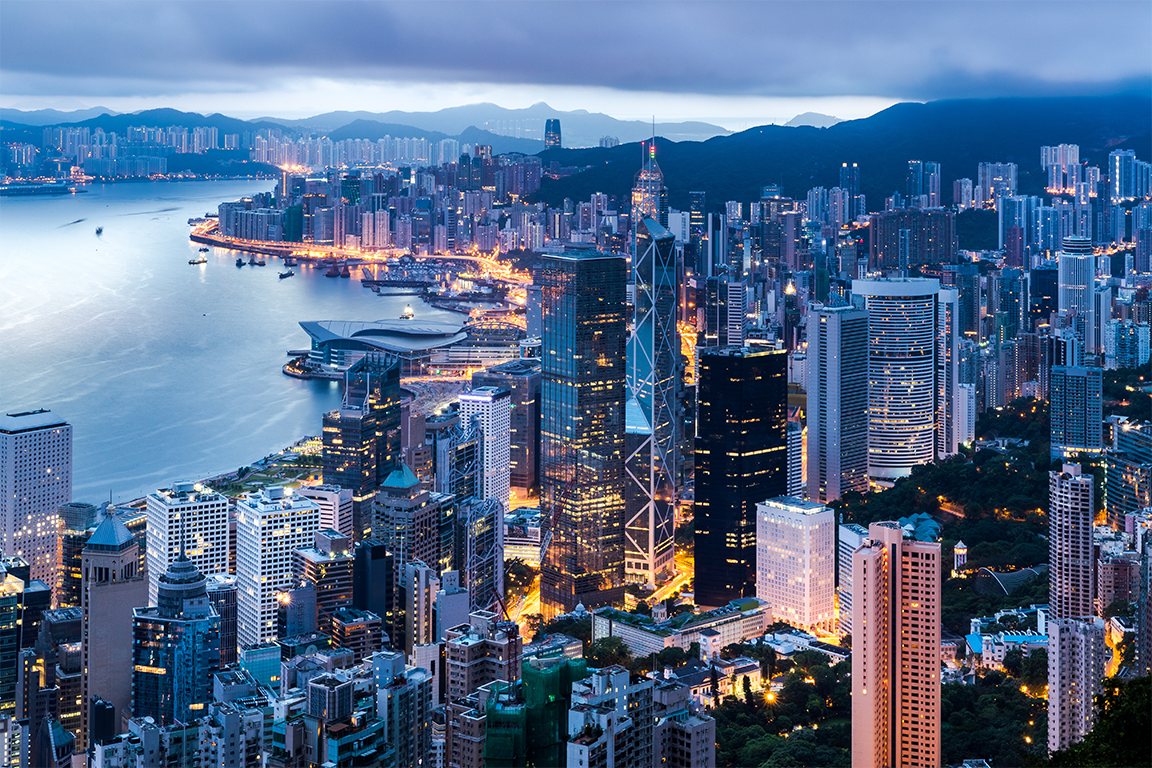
(737, 63)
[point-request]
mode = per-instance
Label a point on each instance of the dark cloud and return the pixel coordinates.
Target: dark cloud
(906, 50)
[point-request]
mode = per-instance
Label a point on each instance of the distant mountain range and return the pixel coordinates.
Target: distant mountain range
(958, 134)
(579, 128)
(474, 123)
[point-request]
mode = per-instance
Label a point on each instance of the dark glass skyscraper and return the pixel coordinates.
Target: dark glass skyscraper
(741, 460)
(552, 134)
(362, 437)
(175, 648)
(582, 430)
(653, 407)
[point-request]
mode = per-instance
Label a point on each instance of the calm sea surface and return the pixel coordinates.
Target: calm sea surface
(166, 371)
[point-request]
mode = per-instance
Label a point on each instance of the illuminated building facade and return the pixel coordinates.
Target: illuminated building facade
(582, 429)
(270, 526)
(362, 437)
(902, 386)
(1075, 396)
(185, 519)
(796, 561)
(649, 195)
(895, 650)
(652, 412)
(491, 407)
(741, 453)
(837, 402)
(35, 479)
(175, 648)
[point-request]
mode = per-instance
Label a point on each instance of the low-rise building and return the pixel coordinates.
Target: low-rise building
(736, 622)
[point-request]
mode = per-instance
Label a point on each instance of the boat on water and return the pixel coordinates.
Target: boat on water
(344, 271)
(261, 263)
(198, 260)
(99, 230)
(12, 190)
(239, 261)
(333, 271)
(289, 262)
(288, 273)
(407, 314)
(203, 249)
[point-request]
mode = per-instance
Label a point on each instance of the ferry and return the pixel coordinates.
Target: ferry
(239, 261)
(289, 273)
(198, 260)
(407, 314)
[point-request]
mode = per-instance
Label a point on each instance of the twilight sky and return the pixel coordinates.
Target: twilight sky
(735, 63)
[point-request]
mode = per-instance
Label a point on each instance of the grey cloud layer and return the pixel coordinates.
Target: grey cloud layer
(918, 50)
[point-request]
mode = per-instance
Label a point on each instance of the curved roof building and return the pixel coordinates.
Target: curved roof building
(332, 339)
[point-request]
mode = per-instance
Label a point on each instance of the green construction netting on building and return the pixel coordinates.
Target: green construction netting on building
(528, 729)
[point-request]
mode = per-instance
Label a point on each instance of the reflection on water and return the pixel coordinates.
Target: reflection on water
(165, 370)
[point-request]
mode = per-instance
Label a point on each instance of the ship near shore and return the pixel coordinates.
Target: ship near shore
(19, 190)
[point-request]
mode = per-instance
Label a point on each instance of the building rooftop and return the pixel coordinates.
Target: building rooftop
(15, 422)
(387, 335)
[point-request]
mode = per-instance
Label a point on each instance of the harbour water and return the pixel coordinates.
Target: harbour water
(166, 371)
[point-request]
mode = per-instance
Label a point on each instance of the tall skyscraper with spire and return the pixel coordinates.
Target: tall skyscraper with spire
(649, 195)
(652, 412)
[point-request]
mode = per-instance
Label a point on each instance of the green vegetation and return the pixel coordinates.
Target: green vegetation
(758, 731)
(1123, 395)
(993, 720)
(1120, 735)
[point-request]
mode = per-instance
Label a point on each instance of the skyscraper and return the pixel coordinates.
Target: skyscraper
(362, 437)
(175, 647)
(270, 525)
(583, 429)
(1076, 649)
(189, 520)
(111, 587)
(522, 378)
(895, 650)
(1076, 402)
(649, 195)
(552, 134)
(850, 182)
(35, 479)
(837, 402)
(796, 561)
(492, 409)
(1076, 277)
(652, 412)
(1070, 565)
(741, 454)
(902, 390)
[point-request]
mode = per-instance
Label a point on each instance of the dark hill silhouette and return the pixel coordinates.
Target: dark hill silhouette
(958, 134)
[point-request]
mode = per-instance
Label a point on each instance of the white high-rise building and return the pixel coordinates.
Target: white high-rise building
(903, 398)
(189, 517)
(335, 507)
(1076, 278)
(851, 536)
(492, 408)
(35, 479)
(796, 561)
(837, 402)
(947, 371)
(270, 525)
